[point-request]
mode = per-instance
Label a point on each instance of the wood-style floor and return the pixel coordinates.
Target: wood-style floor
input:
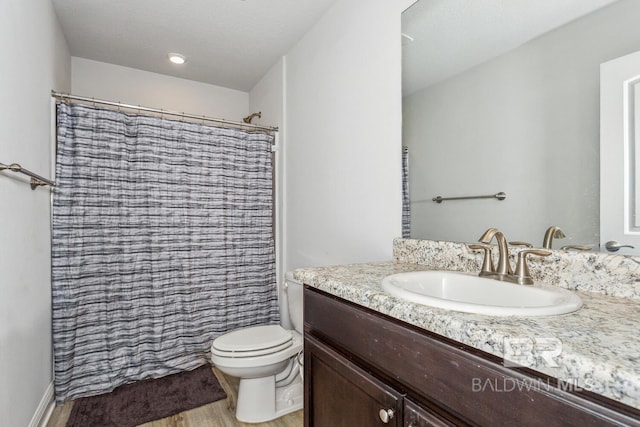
(216, 414)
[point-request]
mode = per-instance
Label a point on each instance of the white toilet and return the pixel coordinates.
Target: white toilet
(267, 361)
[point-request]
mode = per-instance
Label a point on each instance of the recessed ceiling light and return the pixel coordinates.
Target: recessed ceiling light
(176, 58)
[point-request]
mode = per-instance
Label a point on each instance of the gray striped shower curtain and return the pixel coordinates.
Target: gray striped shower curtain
(406, 202)
(162, 241)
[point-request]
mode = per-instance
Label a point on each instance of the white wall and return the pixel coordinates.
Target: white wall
(131, 86)
(31, 37)
(343, 134)
(267, 96)
(343, 117)
(526, 123)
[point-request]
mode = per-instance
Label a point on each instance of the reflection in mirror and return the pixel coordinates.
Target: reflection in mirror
(504, 97)
(618, 154)
(634, 141)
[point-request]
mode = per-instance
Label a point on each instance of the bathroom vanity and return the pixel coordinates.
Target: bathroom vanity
(364, 368)
(373, 360)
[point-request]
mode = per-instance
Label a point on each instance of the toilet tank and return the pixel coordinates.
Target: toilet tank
(293, 289)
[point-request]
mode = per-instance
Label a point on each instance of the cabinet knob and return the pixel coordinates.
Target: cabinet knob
(386, 415)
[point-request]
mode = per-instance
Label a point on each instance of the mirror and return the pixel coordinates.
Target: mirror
(634, 141)
(619, 154)
(504, 97)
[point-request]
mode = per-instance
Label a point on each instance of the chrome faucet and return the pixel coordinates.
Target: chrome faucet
(551, 233)
(504, 272)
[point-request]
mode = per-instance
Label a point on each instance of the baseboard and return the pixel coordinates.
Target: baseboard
(45, 408)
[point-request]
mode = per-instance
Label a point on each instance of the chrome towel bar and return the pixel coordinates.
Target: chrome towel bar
(36, 180)
(499, 196)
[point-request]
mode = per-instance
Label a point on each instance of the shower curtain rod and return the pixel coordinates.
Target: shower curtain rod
(65, 96)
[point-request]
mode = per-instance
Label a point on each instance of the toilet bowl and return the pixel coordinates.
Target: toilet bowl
(266, 359)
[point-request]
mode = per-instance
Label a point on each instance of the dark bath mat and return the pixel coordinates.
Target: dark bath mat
(148, 400)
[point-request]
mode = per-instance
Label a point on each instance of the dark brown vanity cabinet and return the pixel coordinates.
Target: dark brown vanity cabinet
(417, 416)
(365, 369)
(342, 387)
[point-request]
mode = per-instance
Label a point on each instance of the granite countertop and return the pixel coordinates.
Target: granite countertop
(598, 345)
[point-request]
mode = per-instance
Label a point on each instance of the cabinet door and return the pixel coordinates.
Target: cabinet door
(339, 393)
(417, 416)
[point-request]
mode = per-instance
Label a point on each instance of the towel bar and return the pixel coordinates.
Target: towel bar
(36, 180)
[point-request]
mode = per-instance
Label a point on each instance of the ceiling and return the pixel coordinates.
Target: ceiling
(233, 43)
(228, 43)
(451, 36)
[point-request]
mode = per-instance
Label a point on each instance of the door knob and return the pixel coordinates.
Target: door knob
(613, 246)
(386, 415)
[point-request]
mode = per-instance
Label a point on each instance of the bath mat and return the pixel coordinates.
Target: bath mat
(147, 400)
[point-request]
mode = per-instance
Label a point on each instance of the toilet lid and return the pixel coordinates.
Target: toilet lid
(253, 341)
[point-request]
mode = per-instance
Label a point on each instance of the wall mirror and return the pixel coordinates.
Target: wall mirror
(504, 97)
(620, 153)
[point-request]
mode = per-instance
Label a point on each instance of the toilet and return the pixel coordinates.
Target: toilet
(267, 359)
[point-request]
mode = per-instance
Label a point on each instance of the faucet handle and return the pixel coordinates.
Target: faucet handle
(519, 243)
(576, 247)
(487, 263)
(522, 269)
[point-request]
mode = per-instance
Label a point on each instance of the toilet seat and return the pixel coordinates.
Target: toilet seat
(263, 358)
(252, 342)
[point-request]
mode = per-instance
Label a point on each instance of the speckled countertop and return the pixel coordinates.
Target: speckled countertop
(599, 345)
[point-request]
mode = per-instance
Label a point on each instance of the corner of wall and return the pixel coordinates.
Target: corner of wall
(29, 30)
(45, 408)
(343, 132)
(267, 97)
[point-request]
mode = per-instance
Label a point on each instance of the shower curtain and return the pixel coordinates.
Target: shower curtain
(162, 241)
(406, 203)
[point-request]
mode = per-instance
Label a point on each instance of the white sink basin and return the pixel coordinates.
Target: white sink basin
(473, 294)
